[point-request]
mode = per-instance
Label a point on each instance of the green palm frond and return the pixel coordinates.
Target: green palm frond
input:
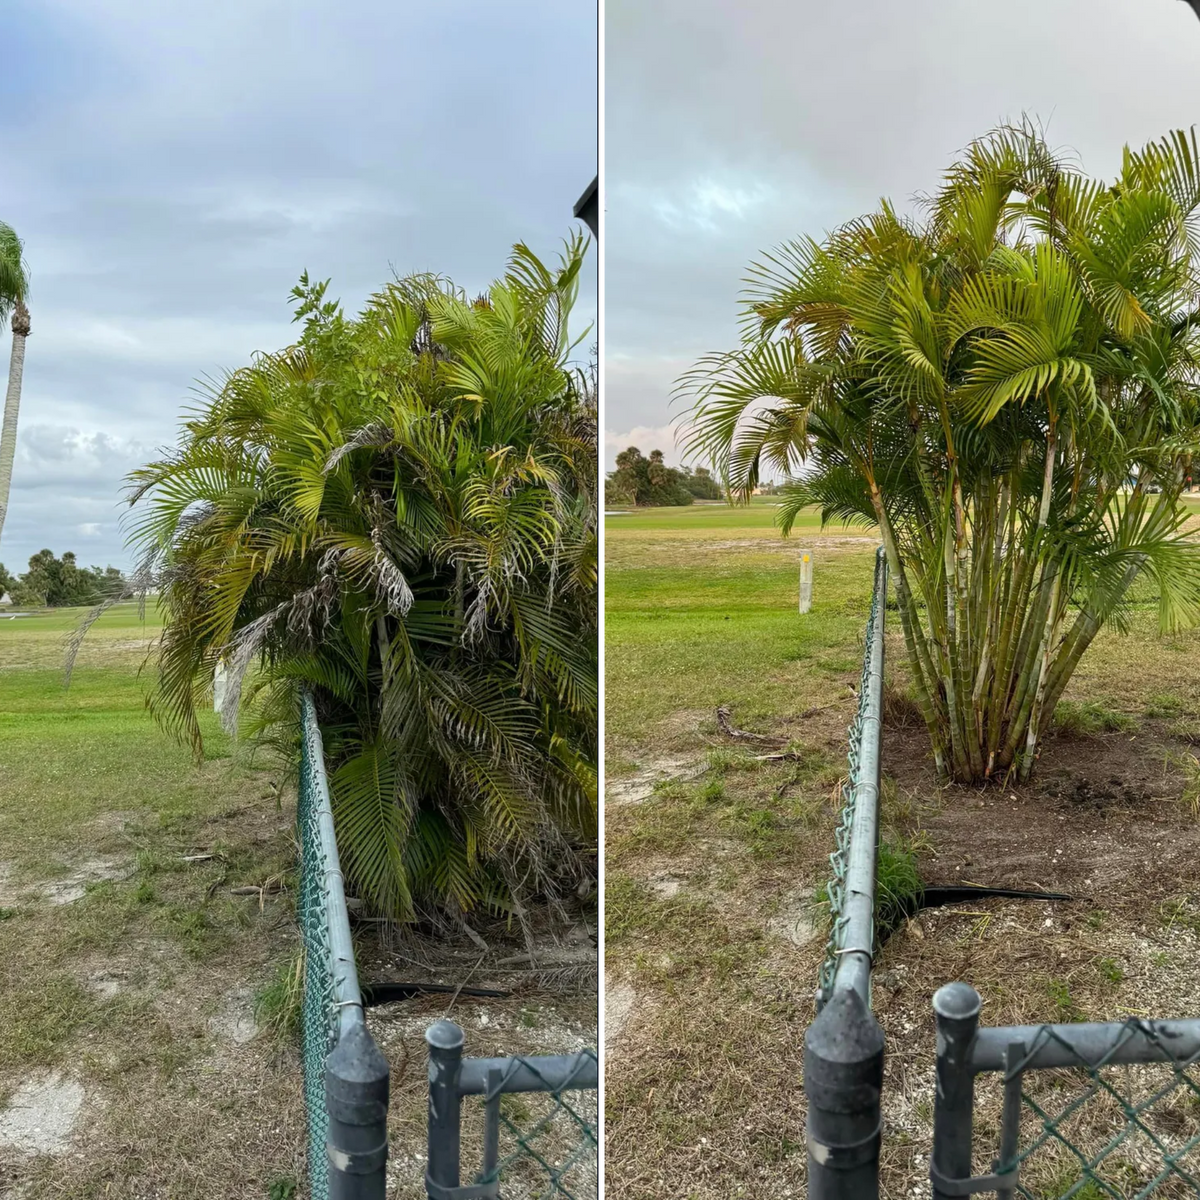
(14, 273)
(1009, 391)
(399, 514)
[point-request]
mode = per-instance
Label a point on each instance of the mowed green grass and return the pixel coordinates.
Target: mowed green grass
(71, 754)
(701, 609)
(94, 792)
(690, 625)
(758, 518)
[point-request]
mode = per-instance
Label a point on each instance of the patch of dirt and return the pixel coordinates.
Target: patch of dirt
(1101, 820)
(619, 1001)
(57, 891)
(664, 885)
(41, 1114)
(799, 922)
(640, 787)
(235, 1022)
(74, 886)
(104, 984)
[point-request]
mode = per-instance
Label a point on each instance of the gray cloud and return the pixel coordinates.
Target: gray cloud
(174, 168)
(732, 127)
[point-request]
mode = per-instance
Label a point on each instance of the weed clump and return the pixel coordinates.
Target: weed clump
(1086, 718)
(279, 1005)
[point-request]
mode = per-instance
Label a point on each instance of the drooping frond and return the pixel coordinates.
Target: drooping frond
(398, 513)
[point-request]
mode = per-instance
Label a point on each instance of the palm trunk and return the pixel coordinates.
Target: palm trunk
(12, 405)
(1039, 696)
(918, 655)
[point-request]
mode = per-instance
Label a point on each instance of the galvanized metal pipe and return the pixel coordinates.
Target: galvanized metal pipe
(357, 1076)
(956, 1011)
(1110, 1043)
(346, 993)
(541, 1073)
(856, 953)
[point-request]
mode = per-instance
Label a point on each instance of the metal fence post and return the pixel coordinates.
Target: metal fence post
(843, 1078)
(445, 1042)
(356, 1096)
(956, 1009)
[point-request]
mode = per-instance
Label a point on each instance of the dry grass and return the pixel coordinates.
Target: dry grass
(529, 1025)
(140, 990)
(713, 937)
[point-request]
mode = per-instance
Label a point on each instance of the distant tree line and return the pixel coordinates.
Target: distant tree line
(649, 482)
(60, 582)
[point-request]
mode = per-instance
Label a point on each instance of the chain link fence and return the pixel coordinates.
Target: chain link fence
(1086, 1110)
(851, 887)
(345, 1076)
(534, 1134)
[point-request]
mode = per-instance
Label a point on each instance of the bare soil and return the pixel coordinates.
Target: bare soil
(706, 1094)
(550, 1007)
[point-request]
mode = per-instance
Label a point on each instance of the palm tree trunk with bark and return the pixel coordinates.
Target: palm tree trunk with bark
(12, 405)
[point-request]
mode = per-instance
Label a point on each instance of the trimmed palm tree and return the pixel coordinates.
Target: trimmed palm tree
(14, 291)
(399, 512)
(1008, 390)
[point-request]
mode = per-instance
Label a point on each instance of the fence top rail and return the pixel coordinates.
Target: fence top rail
(1090, 1044)
(854, 916)
(347, 997)
(529, 1073)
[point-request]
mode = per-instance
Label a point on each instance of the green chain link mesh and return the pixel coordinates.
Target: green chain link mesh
(839, 859)
(319, 1015)
(548, 1153)
(1128, 1133)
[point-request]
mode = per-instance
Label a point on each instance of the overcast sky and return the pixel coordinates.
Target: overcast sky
(732, 127)
(173, 168)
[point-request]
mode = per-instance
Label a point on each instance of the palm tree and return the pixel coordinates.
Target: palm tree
(982, 386)
(14, 291)
(399, 513)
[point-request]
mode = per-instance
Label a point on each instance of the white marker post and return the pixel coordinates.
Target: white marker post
(805, 580)
(219, 687)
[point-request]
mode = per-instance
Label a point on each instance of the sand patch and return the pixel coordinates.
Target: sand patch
(799, 922)
(235, 1021)
(640, 787)
(42, 1114)
(619, 999)
(75, 886)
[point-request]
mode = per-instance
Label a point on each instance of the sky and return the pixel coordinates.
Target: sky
(174, 168)
(730, 128)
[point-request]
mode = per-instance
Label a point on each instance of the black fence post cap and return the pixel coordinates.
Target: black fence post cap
(444, 1035)
(356, 1060)
(957, 1002)
(845, 1030)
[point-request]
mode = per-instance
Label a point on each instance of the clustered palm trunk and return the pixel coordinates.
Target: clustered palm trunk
(1008, 390)
(399, 513)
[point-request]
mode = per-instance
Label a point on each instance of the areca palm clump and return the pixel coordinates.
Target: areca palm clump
(399, 512)
(1006, 388)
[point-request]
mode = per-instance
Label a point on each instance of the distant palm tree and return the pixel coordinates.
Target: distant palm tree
(14, 291)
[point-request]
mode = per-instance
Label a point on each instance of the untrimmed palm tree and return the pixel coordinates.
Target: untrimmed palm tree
(14, 292)
(399, 513)
(1008, 389)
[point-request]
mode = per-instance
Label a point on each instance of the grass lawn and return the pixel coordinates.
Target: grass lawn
(133, 975)
(130, 968)
(715, 858)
